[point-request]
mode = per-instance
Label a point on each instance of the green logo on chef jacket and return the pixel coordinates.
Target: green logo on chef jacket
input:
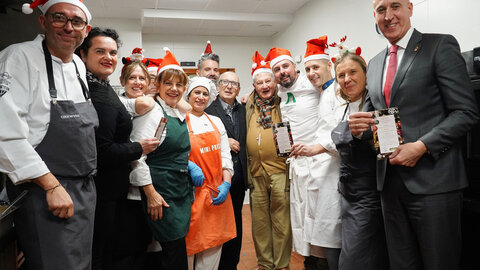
(290, 96)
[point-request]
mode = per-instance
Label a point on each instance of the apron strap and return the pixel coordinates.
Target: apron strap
(345, 112)
(51, 82)
(190, 130)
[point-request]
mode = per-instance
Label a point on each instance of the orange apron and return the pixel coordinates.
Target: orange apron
(210, 225)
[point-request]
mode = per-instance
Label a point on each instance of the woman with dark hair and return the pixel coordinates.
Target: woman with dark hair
(167, 190)
(115, 151)
(363, 235)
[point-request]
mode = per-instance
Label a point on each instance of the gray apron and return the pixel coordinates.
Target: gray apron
(68, 149)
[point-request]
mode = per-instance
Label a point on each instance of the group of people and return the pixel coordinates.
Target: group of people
(155, 178)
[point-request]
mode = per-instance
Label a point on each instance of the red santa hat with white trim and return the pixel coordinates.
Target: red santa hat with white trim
(259, 65)
(44, 5)
(208, 48)
(317, 49)
(152, 64)
(169, 62)
(276, 55)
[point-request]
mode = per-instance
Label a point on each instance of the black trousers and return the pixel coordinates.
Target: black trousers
(231, 249)
(173, 255)
(422, 231)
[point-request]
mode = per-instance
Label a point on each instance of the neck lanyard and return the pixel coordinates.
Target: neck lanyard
(51, 82)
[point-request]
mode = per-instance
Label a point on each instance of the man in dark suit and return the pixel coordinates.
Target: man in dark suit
(232, 114)
(421, 183)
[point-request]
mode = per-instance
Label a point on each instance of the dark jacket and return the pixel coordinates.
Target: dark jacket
(114, 148)
(239, 159)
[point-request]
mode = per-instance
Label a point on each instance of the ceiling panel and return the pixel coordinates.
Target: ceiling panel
(183, 4)
(236, 20)
(275, 6)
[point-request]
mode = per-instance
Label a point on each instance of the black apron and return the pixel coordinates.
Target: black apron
(68, 149)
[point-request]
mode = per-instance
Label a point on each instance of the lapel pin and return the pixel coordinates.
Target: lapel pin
(416, 49)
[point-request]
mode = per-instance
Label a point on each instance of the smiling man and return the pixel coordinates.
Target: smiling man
(232, 114)
(421, 183)
(44, 110)
(299, 105)
(269, 197)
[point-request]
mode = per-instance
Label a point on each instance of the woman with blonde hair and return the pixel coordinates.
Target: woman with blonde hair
(363, 235)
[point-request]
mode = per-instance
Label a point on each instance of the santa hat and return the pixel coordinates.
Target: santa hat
(276, 55)
(152, 64)
(317, 49)
(208, 49)
(44, 5)
(343, 49)
(137, 54)
(259, 65)
(168, 62)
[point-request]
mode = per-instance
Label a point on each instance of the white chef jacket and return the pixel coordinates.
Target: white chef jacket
(302, 113)
(144, 127)
(25, 105)
(328, 116)
(202, 124)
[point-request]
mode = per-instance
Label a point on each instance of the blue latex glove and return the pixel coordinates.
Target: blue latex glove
(196, 173)
(222, 194)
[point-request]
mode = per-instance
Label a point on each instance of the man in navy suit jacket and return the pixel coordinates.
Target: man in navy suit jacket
(421, 182)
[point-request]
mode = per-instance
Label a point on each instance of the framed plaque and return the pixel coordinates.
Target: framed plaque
(387, 131)
(282, 136)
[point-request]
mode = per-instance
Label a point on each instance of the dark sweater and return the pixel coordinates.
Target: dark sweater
(114, 148)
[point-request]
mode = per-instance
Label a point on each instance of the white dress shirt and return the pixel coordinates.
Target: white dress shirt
(402, 45)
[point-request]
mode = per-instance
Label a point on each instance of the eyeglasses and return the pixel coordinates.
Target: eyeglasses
(225, 83)
(60, 20)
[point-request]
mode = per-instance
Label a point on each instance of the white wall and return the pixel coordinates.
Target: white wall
(354, 18)
(130, 32)
(234, 52)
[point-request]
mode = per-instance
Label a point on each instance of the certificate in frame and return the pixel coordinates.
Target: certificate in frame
(282, 136)
(387, 131)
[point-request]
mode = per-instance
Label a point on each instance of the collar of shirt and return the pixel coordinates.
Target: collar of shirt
(402, 45)
(227, 108)
(173, 112)
(327, 84)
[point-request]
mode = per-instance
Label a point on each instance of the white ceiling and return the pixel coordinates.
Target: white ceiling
(202, 17)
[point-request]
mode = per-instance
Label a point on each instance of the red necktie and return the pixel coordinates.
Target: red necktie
(391, 70)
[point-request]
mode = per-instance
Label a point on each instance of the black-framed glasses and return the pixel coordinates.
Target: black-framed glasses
(225, 83)
(60, 20)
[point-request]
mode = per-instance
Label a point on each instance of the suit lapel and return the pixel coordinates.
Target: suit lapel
(377, 65)
(413, 47)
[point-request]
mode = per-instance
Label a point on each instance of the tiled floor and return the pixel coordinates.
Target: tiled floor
(248, 259)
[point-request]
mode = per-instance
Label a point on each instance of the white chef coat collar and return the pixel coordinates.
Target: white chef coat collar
(38, 42)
